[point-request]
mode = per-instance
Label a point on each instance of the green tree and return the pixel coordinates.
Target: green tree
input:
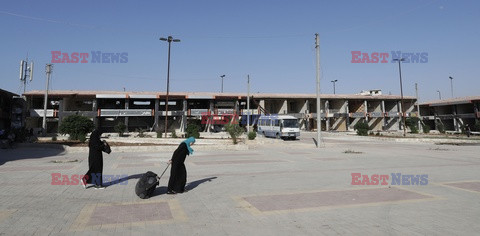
(235, 131)
(426, 128)
(362, 128)
(76, 126)
(441, 127)
(120, 128)
(192, 130)
(252, 135)
(412, 123)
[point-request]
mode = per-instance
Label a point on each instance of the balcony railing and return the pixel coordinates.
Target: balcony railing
(40, 112)
(126, 112)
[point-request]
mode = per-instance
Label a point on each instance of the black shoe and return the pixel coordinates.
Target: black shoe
(171, 192)
(99, 187)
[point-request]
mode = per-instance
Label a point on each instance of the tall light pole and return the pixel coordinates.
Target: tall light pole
(334, 81)
(222, 76)
(319, 121)
(248, 104)
(439, 94)
(170, 39)
(451, 84)
(401, 94)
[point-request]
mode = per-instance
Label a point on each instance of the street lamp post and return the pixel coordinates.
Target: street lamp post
(401, 94)
(439, 94)
(222, 76)
(451, 84)
(334, 81)
(170, 39)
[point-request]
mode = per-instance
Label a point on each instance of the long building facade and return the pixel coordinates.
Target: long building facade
(146, 110)
(453, 113)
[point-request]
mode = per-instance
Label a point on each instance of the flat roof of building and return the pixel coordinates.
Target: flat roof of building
(210, 95)
(452, 101)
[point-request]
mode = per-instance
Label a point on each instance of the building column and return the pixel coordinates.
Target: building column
(400, 109)
(327, 119)
(383, 112)
(455, 122)
(183, 125)
(156, 113)
(347, 119)
(127, 104)
(96, 119)
(365, 107)
(60, 111)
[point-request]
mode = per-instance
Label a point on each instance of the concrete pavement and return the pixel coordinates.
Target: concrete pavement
(275, 188)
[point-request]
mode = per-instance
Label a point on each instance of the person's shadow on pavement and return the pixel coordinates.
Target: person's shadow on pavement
(121, 180)
(190, 186)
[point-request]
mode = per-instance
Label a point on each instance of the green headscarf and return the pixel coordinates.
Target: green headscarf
(187, 142)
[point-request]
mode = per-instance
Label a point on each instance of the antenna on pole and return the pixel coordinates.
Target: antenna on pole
(26, 71)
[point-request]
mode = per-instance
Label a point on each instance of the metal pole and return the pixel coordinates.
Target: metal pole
(48, 69)
(334, 87)
(401, 94)
(319, 121)
(451, 85)
(222, 84)
(248, 104)
(168, 86)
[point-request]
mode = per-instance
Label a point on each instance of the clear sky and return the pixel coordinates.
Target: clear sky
(271, 40)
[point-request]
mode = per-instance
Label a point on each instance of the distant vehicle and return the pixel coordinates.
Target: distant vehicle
(279, 126)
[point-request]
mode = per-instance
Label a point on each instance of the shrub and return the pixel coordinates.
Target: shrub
(426, 128)
(141, 132)
(54, 138)
(252, 135)
(235, 131)
(440, 127)
(76, 126)
(476, 127)
(192, 130)
(159, 134)
(412, 123)
(174, 134)
(120, 128)
(362, 128)
(82, 138)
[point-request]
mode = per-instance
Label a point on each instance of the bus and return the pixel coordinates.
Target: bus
(278, 126)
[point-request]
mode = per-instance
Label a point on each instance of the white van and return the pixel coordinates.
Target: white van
(278, 126)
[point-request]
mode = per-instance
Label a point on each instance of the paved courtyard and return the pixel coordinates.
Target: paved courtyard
(280, 188)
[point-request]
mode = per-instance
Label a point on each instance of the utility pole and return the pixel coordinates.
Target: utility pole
(248, 104)
(48, 69)
(319, 121)
(401, 94)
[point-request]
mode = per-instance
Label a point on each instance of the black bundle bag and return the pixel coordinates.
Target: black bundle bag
(106, 147)
(147, 183)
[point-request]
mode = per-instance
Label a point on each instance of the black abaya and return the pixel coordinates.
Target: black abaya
(95, 159)
(178, 172)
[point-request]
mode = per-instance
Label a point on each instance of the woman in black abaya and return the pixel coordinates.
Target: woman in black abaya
(95, 161)
(178, 172)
